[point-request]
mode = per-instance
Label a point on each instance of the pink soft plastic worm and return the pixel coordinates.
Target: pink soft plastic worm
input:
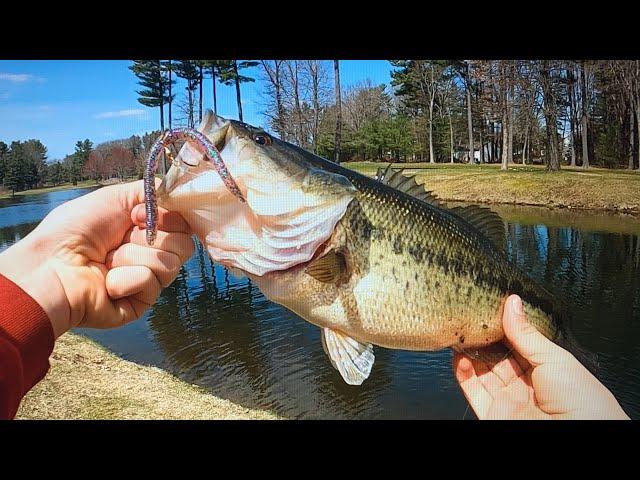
(210, 153)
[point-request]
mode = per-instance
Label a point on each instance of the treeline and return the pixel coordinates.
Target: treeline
(569, 112)
(158, 78)
(23, 165)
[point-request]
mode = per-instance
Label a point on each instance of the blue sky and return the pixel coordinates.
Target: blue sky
(63, 101)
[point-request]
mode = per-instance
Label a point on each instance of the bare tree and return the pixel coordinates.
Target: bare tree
(336, 70)
(275, 87)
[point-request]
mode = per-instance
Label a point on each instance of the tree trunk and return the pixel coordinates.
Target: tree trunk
(431, 105)
(505, 140)
(631, 145)
(549, 107)
(316, 110)
(279, 105)
(510, 149)
(572, 113)
(638, 127)
(584, 119)
(451, 136)
(336, 69)
(524, 147)
(238, 99)
(470, 118)
(200, 98)
(213, 89)
(170, 95)
(161, 85)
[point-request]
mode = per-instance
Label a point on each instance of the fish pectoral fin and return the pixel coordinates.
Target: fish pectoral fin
(351, 358)
(489, 355)
(329, 268)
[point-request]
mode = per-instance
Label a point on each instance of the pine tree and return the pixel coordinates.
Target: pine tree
(230, 75)
(152, 75)
(79, 158)
(14, 177)
(4, 156)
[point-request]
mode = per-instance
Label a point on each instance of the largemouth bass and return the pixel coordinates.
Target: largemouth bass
(369, 261)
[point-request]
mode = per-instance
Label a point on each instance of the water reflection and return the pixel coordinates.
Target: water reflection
(218, 331)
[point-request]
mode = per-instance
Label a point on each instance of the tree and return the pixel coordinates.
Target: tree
(4, 158)
(275, 93)
(170, 83)
(55, 173)
(230, 75)
(152, 76)
(548, 83)
(14, 176)
(189, 71)
(78, 159)
(35, 163)
(336, 72)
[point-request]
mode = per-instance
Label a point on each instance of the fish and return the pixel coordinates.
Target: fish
(370, 261)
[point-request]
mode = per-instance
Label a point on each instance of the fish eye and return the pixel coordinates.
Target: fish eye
(262, 139)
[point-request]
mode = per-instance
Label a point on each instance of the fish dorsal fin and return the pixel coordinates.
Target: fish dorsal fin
(485, 220)
(328, 268)
(406, 183)
(351, 358)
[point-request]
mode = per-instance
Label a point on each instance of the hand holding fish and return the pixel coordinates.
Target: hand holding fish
(88, 263)
(540, 380)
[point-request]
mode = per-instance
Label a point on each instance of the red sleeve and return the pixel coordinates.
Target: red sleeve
(26, 341)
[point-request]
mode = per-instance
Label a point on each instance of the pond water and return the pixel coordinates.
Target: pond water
(218, 331)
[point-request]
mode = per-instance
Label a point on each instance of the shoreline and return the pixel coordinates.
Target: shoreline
(590, 191)
(596, 190)
(88, 382)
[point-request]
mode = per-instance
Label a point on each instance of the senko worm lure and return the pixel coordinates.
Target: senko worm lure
(205, 146)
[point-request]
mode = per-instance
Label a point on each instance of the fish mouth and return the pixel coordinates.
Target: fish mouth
(291, 207)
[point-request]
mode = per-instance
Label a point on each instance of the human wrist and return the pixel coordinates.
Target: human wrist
(23, 264)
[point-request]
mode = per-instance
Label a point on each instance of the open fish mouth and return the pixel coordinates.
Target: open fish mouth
(291, 206)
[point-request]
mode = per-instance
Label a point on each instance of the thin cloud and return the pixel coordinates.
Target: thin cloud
(19, 77)
(121, 113)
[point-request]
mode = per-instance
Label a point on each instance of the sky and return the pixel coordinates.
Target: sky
(62, 101)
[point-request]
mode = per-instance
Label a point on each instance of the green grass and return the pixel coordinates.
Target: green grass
(593, 189)
(64, 186)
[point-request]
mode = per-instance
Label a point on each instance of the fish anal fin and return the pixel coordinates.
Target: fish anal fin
(351, 358)
(329, 268)
(485, 220)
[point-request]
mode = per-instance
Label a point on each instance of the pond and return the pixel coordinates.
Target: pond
(218, 331)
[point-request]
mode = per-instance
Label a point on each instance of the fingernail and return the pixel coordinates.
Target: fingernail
(515, 305)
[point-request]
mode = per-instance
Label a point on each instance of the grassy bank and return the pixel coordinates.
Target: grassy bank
(88, 382)
(593, 189)
(65, 186)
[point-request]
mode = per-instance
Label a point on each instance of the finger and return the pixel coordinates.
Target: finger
(489, 380)
(525, 338)
(164, 265)
(128, 309)
(180, 244)
(167, 221)
(507, 370)
(133, 281)
(476, 394)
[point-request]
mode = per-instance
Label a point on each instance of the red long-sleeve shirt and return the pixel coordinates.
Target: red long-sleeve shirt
(26, 342)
